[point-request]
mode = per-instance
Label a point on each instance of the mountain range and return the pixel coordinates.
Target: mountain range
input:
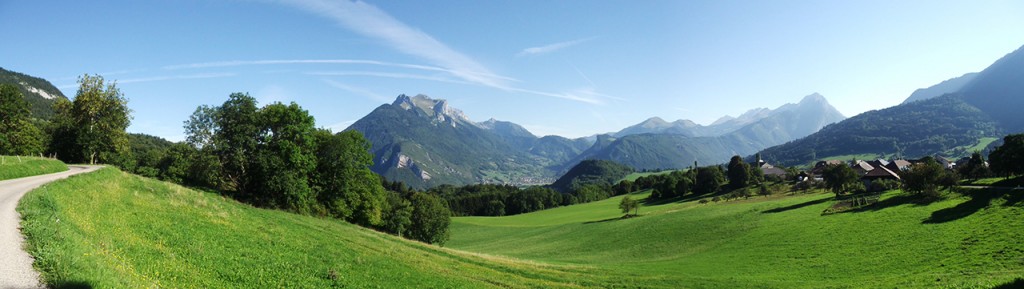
(948, 86)
(423, 142)
(949, 119)
(39, 92)
(656, 144)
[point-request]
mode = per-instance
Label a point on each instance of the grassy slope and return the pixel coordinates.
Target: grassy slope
(982, 144)
(12, 168)
(110, 229)
(633, 176)
(781, 242)
(967, 150)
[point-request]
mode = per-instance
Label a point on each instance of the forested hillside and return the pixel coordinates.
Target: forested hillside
(909, 130)
(591, 172)
(422, 142)
(999, 91)
(677, 145)
(39, 92)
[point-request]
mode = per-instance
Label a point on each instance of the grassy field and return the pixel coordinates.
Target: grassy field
(982, 144)
(109, 229)
(779, 242)
(13, 167)
(996, 182)
(637, 175)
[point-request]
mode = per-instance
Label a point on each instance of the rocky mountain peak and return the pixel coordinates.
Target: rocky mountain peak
(434, 108)
(813, 98)
(654, 122)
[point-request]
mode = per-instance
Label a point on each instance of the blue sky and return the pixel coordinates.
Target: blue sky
(571, 68)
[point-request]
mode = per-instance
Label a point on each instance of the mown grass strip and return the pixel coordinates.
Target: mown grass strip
(969, 240)
(13, 167)
(109, 229)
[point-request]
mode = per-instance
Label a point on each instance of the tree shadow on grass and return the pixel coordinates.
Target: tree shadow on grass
(1013, 197)
(797, 206)
(1010, 182)
(979, 200)
(648, 201)
(1016, 283)
(612, 219)
(72, 285)
(895, 201)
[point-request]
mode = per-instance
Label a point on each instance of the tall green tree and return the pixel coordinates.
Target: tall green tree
(18, 135)
(430, 219)
(93, 127)
(343, 180)
(205, 167)
(284, 159)
(708, 180)
(975, 168)
(1008, 159)
(739, 172)
(235, 141)
(399, 218)
(924, 178)
(201, 127)
(840, 178)
(629, 204)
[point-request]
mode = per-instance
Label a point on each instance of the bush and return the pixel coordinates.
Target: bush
(883, 185)
(430, 219)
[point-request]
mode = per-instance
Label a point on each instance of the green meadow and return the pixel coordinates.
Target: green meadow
(13, 167)
(110, 229)
(778, 242)
(636, 175)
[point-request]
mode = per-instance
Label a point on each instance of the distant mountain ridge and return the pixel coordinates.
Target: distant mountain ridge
(987, 104)
(679, 147)
(728, 124)
(39, 92)
(909, 130)
(999, 91)
(951, 85)
(423, 142)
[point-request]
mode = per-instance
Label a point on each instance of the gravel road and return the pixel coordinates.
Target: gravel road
(15, 264)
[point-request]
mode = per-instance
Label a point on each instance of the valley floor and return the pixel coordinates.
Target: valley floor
(779, 242)
(109, 229)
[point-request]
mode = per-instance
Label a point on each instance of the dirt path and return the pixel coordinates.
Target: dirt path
(15, 264)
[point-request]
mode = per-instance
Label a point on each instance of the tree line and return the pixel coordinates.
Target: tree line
(927, 177)
(503, 200)
(735, 180)
(274, 157)
(271, 156)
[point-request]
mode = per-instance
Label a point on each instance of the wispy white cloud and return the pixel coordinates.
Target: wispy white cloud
(363, 18)
(170, 77)
(325, 61)
(387, 75)
(160, 78)
(367, 20)
(570, 95)
(552, 47)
